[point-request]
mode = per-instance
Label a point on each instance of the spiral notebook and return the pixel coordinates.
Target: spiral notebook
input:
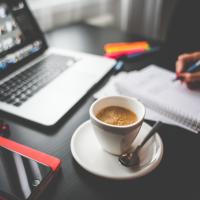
(155, 88)
(165, 100)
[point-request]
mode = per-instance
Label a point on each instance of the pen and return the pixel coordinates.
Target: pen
(192, 68)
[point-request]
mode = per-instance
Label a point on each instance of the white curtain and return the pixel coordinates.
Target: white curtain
(55, 13)
(146, 17)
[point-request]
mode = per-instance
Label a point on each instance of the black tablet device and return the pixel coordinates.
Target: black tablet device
(24, 172)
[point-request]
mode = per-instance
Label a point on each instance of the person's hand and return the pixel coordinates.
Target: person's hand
(191, 79)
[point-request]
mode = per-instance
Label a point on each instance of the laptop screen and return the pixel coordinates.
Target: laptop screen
(20, 36)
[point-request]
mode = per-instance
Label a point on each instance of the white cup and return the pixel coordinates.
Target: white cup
(116, 139)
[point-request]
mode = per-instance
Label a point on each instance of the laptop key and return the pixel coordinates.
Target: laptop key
(28, 93)
(17, 103)
(23, 97)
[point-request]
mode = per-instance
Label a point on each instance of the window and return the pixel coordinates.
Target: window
(54, 13)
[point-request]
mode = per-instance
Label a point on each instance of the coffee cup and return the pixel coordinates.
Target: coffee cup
(116, 139)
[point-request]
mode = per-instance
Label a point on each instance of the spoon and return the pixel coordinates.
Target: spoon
(132, 158)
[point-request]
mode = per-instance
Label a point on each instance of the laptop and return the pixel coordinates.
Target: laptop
(38, 83)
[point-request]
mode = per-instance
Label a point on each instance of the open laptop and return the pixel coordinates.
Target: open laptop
(36, 82)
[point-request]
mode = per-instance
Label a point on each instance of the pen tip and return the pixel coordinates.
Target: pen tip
(175, 79)
(179, 78)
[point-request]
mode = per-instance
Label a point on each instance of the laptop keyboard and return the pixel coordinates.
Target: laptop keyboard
(20, 88)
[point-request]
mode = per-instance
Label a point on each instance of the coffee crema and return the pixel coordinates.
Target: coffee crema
(116, 115)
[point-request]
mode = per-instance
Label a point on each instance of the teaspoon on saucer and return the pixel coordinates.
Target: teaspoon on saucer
(132, 159)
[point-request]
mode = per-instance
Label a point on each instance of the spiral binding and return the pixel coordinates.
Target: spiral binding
(177, 115)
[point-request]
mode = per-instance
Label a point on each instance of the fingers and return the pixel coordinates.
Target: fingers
(184, 59)
(194, 85)
(179, 66)
(190, 77)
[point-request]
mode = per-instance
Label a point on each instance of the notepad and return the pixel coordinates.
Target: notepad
(165, 100)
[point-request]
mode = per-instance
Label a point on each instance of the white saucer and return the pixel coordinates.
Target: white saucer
(87, 151)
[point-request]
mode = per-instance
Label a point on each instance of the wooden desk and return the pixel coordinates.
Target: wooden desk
(174, 178)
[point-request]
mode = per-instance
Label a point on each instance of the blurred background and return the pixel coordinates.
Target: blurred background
(149, 18)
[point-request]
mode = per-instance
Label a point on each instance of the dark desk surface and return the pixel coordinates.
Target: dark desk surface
(175, 178)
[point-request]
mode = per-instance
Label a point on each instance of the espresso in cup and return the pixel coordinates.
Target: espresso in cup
(117, 115)
(116, 121)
